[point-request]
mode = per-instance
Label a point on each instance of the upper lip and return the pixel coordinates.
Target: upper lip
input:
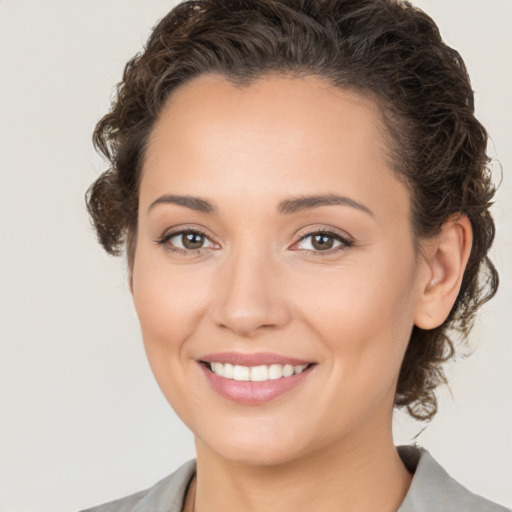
(257, 359)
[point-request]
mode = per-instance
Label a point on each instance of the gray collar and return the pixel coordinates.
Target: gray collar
(432, 490)
(168, 495)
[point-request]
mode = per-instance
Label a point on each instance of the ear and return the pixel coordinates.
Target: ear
(445, 258)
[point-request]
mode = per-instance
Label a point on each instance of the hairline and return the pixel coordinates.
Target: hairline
(384, 116)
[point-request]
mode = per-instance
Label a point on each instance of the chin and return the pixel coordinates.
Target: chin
(255, 454)
(254, 447)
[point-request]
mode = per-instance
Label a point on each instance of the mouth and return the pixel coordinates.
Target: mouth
(254, 382)
(260, 373)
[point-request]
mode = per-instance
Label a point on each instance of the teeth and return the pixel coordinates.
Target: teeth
(218, 368)
(300, 369)
(288, 370)
(260, 373)
(275, 371)
(241, 372)
(228, 370)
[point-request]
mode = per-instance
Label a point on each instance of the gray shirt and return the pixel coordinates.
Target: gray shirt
(431, 490)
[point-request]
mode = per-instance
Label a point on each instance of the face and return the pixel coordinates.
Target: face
(275, 276)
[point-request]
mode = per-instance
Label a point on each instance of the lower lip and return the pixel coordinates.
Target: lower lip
(252, 393)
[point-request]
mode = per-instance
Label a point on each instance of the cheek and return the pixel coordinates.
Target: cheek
(363, 313)
(169, 304)
(169, 301)
(363, 323)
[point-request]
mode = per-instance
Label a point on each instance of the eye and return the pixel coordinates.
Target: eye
(187, 240)
(323, 241)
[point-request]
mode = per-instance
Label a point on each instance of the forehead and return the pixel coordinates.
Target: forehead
(305, 106)
(278, 136)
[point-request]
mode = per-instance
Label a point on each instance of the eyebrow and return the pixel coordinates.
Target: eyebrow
(285, 207)
(309, 202)
(194, 203)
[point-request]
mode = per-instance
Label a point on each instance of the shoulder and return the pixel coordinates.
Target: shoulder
(165, 496)
(433, 489)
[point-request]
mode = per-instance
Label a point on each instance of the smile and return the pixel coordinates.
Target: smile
(253, 379)
(259, 373)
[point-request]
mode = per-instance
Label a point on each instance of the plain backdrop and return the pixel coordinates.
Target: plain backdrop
(81, 418)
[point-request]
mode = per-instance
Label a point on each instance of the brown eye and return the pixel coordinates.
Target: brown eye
(192, 240)
(187, 240)
(322, 242)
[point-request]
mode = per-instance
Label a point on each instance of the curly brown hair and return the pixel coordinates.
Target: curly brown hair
(385, 49)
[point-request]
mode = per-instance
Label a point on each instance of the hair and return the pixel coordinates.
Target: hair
(385, 49)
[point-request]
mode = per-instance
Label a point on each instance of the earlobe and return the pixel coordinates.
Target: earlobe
(445, 257)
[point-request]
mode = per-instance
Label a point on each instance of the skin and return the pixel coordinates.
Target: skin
(259, 285)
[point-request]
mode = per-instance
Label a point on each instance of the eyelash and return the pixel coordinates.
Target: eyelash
(345, 242)
(185, 252)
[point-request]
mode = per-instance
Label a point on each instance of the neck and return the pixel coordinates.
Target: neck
(362, 475)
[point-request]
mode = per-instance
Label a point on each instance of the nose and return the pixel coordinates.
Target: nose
(250, 295)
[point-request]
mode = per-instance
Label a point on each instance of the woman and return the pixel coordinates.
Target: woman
(302, 192)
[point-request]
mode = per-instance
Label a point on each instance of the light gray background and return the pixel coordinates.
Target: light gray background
(81, 419)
